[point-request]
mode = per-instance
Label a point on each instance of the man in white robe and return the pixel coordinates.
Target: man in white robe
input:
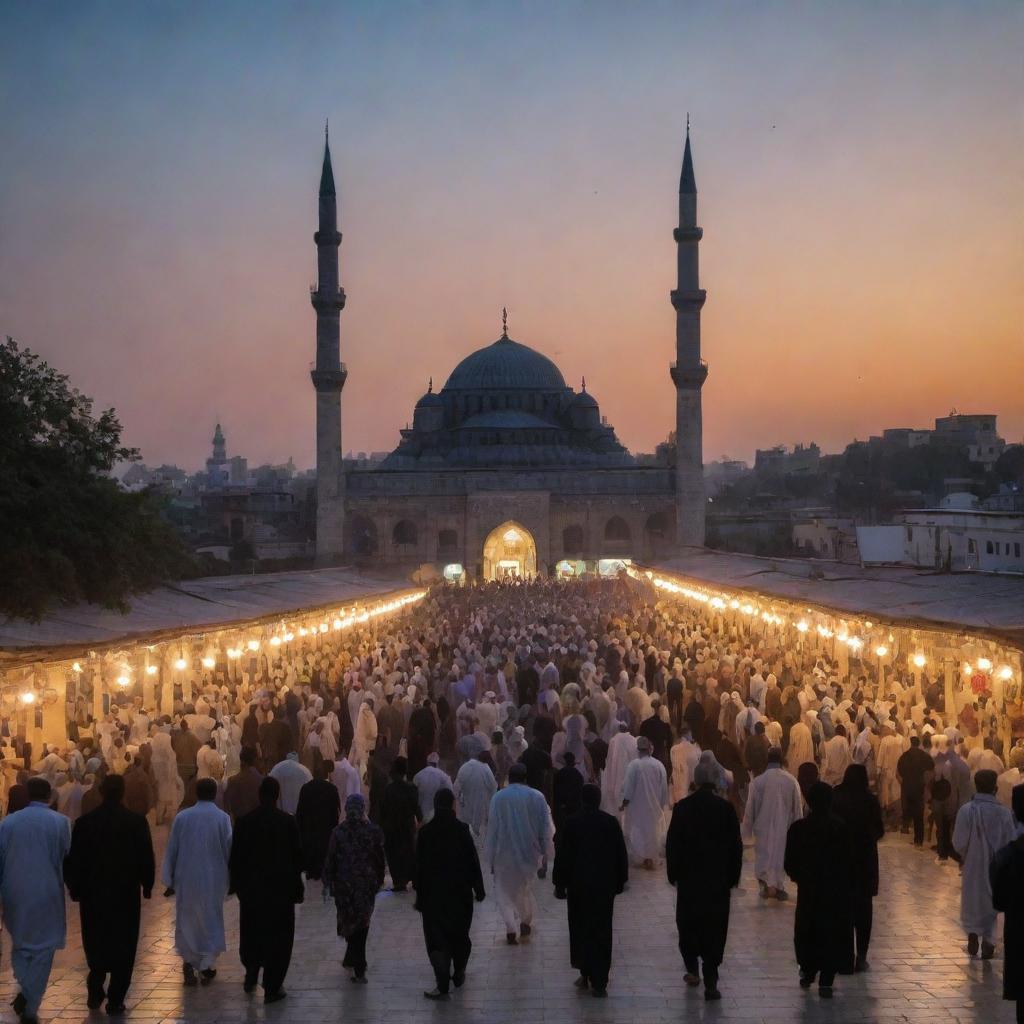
(33, 845)
(365, 736)
(774, 802)
(170, 790)
(644, 799)
(983, 826)
(835, 757)
(890, 747)
(291, 776)
(801, 748)
(519, 844)
(474, 786)
(196, 869)
(621, 750)
(428, 781)
(684, 756)
(346, 779)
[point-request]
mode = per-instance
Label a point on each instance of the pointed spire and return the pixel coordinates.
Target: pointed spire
(327, 174)
(584, 385)
(430, 386)
(504, 322)
(687, 181)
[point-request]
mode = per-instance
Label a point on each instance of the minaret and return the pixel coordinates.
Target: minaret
(689, 371)
(219, 445)
(328, 375)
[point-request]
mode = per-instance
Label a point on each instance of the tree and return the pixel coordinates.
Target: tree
(69, 532)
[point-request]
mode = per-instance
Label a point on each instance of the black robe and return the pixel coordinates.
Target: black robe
(1006, 874)
(591, 868)
(421, 731)
(399, 812)
(447, 878)
(316, 814)
(265, 868)
(566, 793)
(819, 858)
(703, 859)
(109, 864)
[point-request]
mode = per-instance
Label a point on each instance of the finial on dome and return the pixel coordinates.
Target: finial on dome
(584, 385)
(430, 386)
(504, 322)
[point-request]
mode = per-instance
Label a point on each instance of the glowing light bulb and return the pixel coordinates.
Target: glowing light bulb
(919, 661)
(881, 650)
(1006, 672)
(303, 631)
(984, 665)
(802, 626)
(181, 664)
(28, 698)
(289, 637)
(208, 663)
(337, 623)
(76, 667)
(967, 668)
(275, 641)
(253, 645)
(151, 670)
(123, 680)
(323, 627)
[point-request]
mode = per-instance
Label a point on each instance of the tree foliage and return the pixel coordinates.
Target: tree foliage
(68, 531)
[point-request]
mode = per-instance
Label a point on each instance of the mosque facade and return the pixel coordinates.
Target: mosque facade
(507, 470)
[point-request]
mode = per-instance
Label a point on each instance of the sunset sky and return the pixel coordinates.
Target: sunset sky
(860, 169)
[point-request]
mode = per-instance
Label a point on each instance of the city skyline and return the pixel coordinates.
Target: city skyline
(157, 241)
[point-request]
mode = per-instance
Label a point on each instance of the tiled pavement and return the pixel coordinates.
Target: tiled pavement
(920, 972)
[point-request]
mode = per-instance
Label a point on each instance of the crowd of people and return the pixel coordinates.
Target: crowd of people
(480, 738)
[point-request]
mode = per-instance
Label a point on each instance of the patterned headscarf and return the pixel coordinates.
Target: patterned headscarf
(355, 807)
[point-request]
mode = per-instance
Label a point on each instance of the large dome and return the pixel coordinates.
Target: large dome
(505, 364)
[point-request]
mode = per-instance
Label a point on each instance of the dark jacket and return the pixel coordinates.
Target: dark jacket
(448, 872)
(703, 848)
(266, 858)
(591, 859)
(860, 809)
(1006, 874)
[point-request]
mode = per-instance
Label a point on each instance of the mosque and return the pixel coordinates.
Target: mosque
(506, 470)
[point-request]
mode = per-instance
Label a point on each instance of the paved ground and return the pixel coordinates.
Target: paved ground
(920, 972)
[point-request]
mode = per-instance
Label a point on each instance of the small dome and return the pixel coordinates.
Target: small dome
(584, 401)
(505, 365)
(429, 401)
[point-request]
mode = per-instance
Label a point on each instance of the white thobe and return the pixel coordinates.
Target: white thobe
(429, 781)
(474, 786)
(346, 780)
(69, 800)
(209, 764)
(365, 737)
(983, 826)
(621, 751)
(292, 776)
(774, 802)
(801, 747)
(33, 845)
(519, 838)
(645, 792)
(835, 759)
(684, 755)
(889, 750)
(1005, 784)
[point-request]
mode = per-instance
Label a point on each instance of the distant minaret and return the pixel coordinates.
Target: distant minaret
(219, 445)
(328, 375)
(689, 371)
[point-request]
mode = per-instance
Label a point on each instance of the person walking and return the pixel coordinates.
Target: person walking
(1006, 876)
(591, 868)
(353, 875)
(265, 871)
(819, 859)
(316, 815)
(109, 864)
(195, 872)
(774, 802)
(703, 858)
(448, 879)
(33, 845)
(399, 816)
(854, 802)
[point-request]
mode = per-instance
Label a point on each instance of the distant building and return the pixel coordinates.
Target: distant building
(975, 433)
(831, 537)
(722, 472)
(803, 460)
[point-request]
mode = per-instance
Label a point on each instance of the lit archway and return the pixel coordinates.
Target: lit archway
(510, 552)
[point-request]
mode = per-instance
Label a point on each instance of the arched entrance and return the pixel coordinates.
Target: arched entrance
(509, 553)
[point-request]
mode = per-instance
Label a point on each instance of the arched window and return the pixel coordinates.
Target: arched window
(447, 542)
(660, 531)
(572, 540)
(617, 529)
(361, 536)
(405, 534)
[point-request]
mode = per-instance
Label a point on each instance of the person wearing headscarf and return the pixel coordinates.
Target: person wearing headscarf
(703, 858)
(353, 875)
(774, 802)
(448, 878)
(622, 750)
(982, 827)
(265, 868)
(517, 743)
(170, 790)
(365, 738)
(835, 757)
(591, 868)
(854, 802)
(801, 747)
(819, 859)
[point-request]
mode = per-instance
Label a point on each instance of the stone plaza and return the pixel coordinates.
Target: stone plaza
(919, 973)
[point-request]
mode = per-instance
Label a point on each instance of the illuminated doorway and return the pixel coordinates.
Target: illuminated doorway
(509, 553)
